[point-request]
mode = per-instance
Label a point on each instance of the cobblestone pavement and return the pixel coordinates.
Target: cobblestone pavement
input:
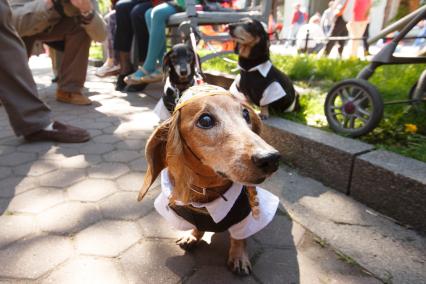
(68, 212)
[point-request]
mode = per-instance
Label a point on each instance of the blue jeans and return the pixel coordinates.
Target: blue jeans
(156, 19)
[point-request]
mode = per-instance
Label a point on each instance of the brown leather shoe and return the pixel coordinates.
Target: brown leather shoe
(60, 133)
(72, 98)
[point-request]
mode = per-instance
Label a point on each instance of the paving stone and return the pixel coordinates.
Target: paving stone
(75, 162)
(62, 178)
(139, 165)
(35, 147)
(58, 153)
(319, 264)
(91, 190)
(15, 185)
(155, 226)
(69, 217)
(17, 158)
(36, 200)
(217, 275)
(132, 144)
(107, 238)
(96, 148)
(106, 139)
(6, 149)
(108, 170)
(124, 206)
(156, 262)
(15, 227)
(277, 266)
(131, 181)
(393, 185)
(123, 156)
(36, 168)
(282, 232)
(5, 172)
(94, 132)
(97, 125)
(109, 130)
(87, 270)
(33, 257)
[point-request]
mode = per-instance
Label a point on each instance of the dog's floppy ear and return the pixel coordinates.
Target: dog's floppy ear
(256, 122)
(166, 64)
(155, 153)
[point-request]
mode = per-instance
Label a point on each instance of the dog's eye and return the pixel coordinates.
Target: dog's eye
(246, 115)
(205, 121)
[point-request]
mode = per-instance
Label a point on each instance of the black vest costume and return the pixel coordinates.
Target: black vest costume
(252, 84)
(204, 222)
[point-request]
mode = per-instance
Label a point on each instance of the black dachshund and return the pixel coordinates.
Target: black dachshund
(259, 81)
(179, 69)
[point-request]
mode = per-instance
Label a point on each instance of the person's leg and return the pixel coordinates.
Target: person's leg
(157, 36)
(28, 115)
(73, 70)
(18, 91)
(137, 17)
(156, 23)
(124, 34)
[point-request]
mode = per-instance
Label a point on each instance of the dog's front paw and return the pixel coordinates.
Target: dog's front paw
(240, 265)
(190, 241)
(238, 260)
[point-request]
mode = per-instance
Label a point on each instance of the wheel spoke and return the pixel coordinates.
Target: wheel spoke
(361, 118)
(363, 112)
(357, 95)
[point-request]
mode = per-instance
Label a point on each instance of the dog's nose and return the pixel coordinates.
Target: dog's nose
(183, 71)
(268, 163)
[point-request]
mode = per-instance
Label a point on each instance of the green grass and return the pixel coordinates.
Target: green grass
(317, 75)
(95, 51)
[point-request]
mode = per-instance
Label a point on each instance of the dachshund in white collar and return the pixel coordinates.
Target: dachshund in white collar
(207, 153)
(259, 81)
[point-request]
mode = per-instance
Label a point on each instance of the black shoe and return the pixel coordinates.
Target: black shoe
(60, 133)
(120, 85)
(135, 88)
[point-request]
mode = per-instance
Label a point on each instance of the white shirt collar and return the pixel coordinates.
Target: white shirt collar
(263, 68)
(218, 208)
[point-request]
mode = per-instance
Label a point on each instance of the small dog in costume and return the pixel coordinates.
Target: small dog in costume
(207, 153)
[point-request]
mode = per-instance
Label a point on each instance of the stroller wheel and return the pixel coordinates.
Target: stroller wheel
(353, 107)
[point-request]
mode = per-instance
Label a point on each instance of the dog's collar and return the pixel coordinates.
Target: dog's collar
(263, 68)
(199, 91)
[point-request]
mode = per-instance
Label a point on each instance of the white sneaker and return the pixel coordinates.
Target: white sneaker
(107, 70)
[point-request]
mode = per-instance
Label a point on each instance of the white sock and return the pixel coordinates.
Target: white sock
(49, 127)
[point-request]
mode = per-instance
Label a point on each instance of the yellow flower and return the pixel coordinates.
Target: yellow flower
(410, 128)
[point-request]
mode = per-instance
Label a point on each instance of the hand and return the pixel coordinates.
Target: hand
(84, 6)
(49, 3)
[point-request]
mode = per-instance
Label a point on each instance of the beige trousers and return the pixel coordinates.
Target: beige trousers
(355, 30)
(73, 69)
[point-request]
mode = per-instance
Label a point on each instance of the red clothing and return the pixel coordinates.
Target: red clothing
(299, 17)
(361, 8)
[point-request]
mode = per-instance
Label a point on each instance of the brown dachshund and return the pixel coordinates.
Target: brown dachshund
(207, 153)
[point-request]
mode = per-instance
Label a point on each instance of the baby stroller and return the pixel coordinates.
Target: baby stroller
(354, 107)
